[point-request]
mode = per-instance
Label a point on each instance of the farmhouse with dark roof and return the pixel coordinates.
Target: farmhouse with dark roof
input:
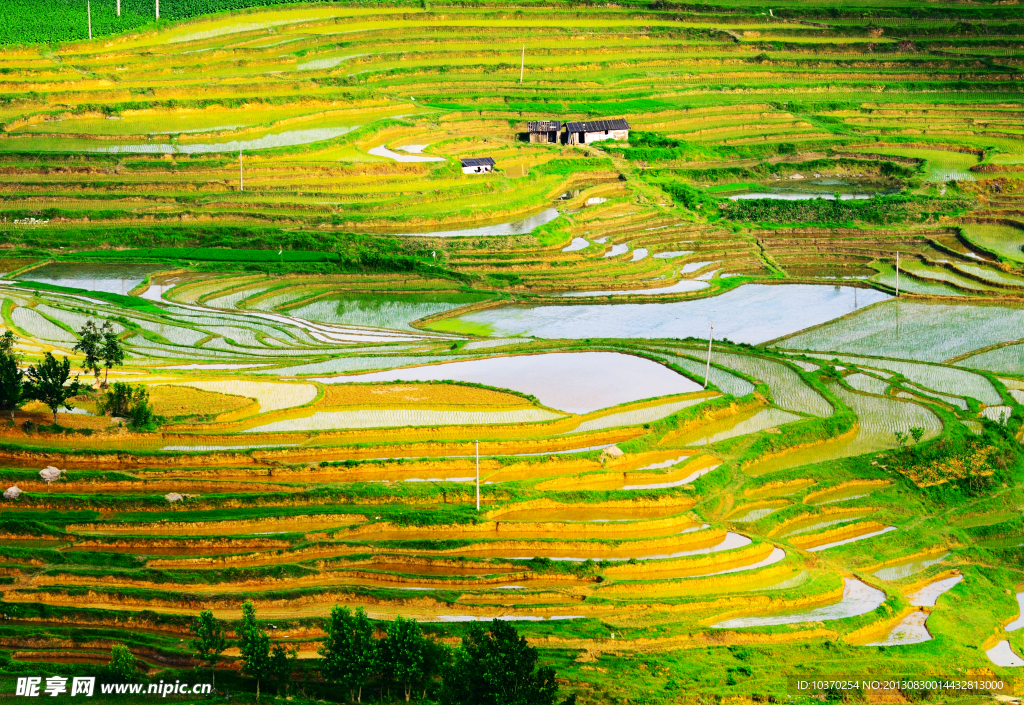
(596, 130)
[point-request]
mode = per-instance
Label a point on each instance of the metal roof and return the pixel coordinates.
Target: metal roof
(597, 125)
(477, 161)
(544, 125)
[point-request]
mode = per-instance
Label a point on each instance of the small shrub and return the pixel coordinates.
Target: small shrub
(122, 664)
(131, 403)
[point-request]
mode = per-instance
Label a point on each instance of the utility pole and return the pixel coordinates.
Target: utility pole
(88, 14)
(158, 9)
(118, 8)
(522, 65)
(707, 369)
(241, 175)
(478, 476)
(897, 274)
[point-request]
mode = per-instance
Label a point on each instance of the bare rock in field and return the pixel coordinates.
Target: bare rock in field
(797, 176)
(173, 497)
(612, 452)
(51, 474)
(12, 492)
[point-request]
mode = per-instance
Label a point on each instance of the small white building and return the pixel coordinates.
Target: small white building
(477, 165)
(596, 131)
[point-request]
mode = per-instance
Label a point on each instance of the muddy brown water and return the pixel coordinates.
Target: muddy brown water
(164, 551)
(218, 528)
(35, 543)
(589, 514)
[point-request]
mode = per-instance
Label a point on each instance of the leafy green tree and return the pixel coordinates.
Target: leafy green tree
(210, 641)
(112, 351)
(435, 657)
(282, 665)
(254, 645)
(90, 344)
(402, 653)
(122, 665)
(48, 384)
(349, 652)
(12, 389)
(497, 668)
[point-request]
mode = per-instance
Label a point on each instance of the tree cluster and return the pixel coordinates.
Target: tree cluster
(493, 666)
(50, 381)
(46, 382)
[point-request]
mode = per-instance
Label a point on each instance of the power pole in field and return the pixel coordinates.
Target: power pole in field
(707, 369)
(241, 175)
(158, 9)
(88, 14)
(522, 65)
(897, 274)
(118, 8)
(478, 476)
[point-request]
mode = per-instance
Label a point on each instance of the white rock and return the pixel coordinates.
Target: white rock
(12, 492)
(613, 452)
(50, 474)
(173, 497)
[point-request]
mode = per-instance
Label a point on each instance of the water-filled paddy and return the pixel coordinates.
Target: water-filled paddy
(940, 165)
(879, 418)
(1004, 240)
(910, 567)
(845, 492)
(515, 227)
(930, 593)
(764, 419)
(774, 557)
(383, 151)
(752, 313)
(285, 138)
(682, 285)
(787, 389)
(852, 539)
(1003, 655)
(727, 382)
(1019, 622)
(690, 478)
(827, 189)
(785, 195)
(637, 416)
(911, 630)
(402, 418)
(589, 514)
(574, 382)
(930, 332)
(393, 311)
(858, 599)
(947, 380)
(112, 278)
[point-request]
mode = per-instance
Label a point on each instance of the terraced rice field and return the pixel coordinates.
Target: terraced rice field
(666, 402)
